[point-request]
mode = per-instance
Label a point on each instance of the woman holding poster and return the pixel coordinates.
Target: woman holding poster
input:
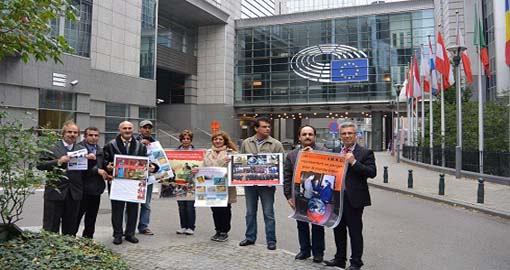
(218, 156)
(187, 212)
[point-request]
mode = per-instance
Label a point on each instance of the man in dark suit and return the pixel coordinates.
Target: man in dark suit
(361, 165)
(93, 184)
(62, 197)
(124, 144)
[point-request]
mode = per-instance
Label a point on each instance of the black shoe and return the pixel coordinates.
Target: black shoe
(271, 246)
(318, 259)
(132, 239)
(215, 237)
(117, 240)
(222, 237)
(335, 262)
(302, 256)
(246, 242)
(352, 267)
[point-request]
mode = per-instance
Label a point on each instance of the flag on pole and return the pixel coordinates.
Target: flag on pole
(409, 83)
(433, 74)
(443, 65)
(507, 42)
(425, 72)
(416, 79)
(466, 62)
(479, 39)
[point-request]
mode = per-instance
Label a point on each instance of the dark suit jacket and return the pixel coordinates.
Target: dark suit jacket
(93, 183)
(58, 190)
(356, 185)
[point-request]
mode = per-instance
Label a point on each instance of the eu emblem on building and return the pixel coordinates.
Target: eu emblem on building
(349, 70)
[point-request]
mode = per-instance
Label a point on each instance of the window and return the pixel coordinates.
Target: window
(115, 114)
(55, 108)
(147, 43)
(76, 33)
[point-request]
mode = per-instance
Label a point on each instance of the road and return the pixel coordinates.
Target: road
(401, 232)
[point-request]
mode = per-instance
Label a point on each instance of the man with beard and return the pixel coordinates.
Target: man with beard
(307, 137)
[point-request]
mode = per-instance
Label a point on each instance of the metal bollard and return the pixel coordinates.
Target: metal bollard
(481, 191)
(385, 174)
(441, 184)
(410, 179)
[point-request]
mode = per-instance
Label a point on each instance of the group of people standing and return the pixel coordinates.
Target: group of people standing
(78, 194)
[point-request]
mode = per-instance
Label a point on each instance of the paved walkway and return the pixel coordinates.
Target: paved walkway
(462, 192)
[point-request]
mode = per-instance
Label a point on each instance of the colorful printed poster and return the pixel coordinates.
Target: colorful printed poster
(182, 162)
(317, 190)
(130, 178)
(157, 155)
(77, 161)
(256, 170)
(211, 187)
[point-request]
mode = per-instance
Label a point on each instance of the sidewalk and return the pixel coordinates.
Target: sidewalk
(458, 192)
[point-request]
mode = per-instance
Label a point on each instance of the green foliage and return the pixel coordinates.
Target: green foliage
(20, 151)
(496, 123)
(47, 250)
(25, 28)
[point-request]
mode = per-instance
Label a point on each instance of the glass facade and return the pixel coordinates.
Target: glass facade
(294, 6)
(257, 8)
(263, 57)
(115, 113)
(148, 39)
(174, 36)
(76, 33)
(55, 108)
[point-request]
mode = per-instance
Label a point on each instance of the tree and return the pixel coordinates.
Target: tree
(20, 151)
(25, 28)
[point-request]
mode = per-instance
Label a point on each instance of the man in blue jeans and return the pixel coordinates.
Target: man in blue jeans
(262, 143)
(145, 137)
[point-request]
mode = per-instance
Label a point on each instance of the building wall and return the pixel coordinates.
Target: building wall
(115, 41)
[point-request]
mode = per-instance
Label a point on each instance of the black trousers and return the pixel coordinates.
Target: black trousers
(351, 220)
(316, 244)
(63, 212)
(89, 207)
(131, 209)
(187, 214)
(222, 217)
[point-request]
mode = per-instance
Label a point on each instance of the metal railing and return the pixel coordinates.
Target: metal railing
(495, 163)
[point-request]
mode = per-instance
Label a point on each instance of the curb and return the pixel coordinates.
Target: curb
(451, 202)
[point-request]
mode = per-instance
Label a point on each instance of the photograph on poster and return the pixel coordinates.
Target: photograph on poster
(256, 169)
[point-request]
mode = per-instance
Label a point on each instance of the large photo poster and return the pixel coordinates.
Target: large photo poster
(157, 155)
(318, 182)
(256, 169)
(129, 178)
(211, 187)
(182, 162)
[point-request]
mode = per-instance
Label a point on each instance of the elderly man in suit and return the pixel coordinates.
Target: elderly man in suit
(361, 166)
(62, 196)
(93, 184)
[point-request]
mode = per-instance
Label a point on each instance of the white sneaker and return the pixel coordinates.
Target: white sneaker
(189, 231)
(181, 231)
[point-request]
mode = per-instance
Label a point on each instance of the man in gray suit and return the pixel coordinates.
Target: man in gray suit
(62, 196)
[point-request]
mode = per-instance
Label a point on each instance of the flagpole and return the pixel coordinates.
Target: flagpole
(422, 105)
(443, 126)
(480, 104)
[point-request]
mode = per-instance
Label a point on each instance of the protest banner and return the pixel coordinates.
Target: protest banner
(77, 161)
(255, 170)
(157, 155)
(182, 161)
(129, 178)
(211, 187)
(317, 189)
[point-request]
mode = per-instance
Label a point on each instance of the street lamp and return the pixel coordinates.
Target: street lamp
(456, 50)
(398, 86)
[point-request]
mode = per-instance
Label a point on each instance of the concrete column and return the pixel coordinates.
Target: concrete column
(377, 131)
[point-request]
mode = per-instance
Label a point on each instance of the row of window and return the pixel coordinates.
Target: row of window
(57, 107)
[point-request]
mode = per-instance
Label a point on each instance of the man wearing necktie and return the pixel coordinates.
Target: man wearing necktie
(361, 166)
(62, 196)
(93, 183)
(124, 144)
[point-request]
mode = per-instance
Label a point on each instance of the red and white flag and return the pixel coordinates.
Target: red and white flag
(443, 65)
(416, 80)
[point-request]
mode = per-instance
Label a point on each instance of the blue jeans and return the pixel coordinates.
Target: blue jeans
(316, 245)
(145, 210)
(187, 214)
(266, 195)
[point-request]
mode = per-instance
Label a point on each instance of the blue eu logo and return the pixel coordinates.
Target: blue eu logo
(349, 70)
